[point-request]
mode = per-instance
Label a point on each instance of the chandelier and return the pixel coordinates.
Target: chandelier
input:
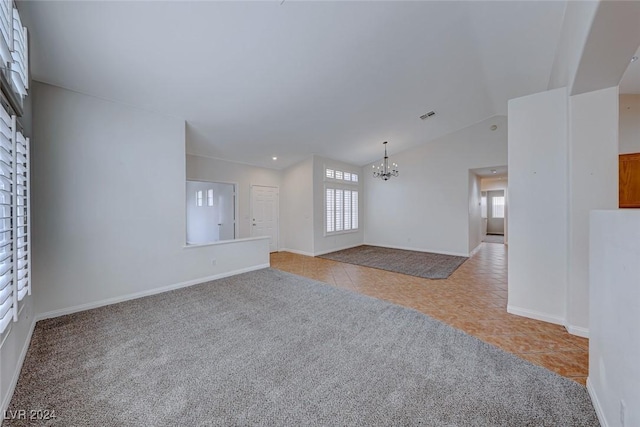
(385, 171)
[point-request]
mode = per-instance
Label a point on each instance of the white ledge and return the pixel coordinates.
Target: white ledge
(224, 242)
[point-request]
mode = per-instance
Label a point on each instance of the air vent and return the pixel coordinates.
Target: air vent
(427, 115)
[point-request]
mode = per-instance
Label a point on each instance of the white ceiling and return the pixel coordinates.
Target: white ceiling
(260, 79)
(491, 172)
(630, 83)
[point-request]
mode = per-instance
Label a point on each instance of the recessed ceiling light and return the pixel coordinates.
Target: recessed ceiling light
(634, 59)
(274, 158)
(494, 127)
(494, 171)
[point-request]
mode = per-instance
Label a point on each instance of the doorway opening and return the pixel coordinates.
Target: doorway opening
(211, 212)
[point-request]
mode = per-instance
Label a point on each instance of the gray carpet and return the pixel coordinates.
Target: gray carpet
(272, 348)
(420, 264)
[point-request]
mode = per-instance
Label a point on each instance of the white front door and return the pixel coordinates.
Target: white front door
(264, 214)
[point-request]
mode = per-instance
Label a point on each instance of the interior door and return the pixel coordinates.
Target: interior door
(264, 214)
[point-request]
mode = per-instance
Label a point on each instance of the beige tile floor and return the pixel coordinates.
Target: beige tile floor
(473, 299)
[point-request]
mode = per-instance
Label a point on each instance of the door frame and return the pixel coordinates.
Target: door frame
(277, 227)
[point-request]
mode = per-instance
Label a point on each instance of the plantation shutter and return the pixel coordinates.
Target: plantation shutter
(331, 210)
(8, 298)
(20, 55)
(354, 210)
(6, 32)
(22, 247)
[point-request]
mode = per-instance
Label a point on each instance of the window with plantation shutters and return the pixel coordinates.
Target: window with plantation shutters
(8, 299)
(341, 207)
(15, 224)
(20, 56)
(6, 33)
(341, 201)
(22, 225)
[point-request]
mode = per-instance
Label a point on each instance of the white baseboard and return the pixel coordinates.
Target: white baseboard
(295, 251)
(433, 251)
(16, 374)
(596, 404)
(115, 300)
(537, 315)
(337, 249)
(475, 250)
(578, 330)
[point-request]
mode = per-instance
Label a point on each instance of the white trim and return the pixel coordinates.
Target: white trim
(337, 249)
(596, 404)
(16, 373)
(295, 251)
(136, 295)
(537, 315)
(223, 242)
(475, 250)
(405, 248)
(578, 330)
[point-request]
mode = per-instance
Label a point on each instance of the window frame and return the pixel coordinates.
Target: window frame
(343, 187)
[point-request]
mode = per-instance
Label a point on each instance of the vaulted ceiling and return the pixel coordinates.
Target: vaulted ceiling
(260, 79)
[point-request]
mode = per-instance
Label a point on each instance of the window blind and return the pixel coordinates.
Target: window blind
(341, 208)
(20, 55)
(8, 299)
(22, 239)
(6, 32)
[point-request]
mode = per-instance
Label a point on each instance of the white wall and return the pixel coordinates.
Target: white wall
(297, 208)
(109, 205)
(427, 207)
(475, 213)
(593, 184)
(323, 244)
(629, 124)
(209, 169)
(614, 345)
(538, 180)
(578, 17)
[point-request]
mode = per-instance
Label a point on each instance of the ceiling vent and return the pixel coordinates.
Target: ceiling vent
(427, 115)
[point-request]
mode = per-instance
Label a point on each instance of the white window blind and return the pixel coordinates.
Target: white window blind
(330, 210)
(341, 207)
(20, 56)
(8, 299)
(6, 32)
(497, 207)
(22, 220)
(354, 210)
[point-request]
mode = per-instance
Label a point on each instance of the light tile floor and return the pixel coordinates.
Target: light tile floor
(473, 299)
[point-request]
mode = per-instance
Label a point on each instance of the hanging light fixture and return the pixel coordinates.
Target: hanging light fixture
(384, 171)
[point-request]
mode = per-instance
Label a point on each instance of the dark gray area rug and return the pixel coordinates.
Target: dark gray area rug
(493, 238)
(420, 264)
(272, 348)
